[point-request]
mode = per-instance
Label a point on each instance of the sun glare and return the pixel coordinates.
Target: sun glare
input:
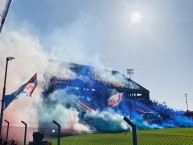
(135, 17)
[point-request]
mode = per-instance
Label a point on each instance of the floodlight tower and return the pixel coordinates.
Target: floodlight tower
(186, 102)
(130, 72)
(4, 89)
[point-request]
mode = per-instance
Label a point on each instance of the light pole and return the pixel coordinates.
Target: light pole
(186, 101)
(130, 72)
(4, 89)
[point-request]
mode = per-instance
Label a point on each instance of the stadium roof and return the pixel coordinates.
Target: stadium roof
(82, 76)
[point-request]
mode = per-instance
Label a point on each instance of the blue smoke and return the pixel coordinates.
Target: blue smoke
(87, 94)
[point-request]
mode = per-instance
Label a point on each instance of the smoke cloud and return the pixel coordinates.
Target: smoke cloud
(29, 59)
(31, 56)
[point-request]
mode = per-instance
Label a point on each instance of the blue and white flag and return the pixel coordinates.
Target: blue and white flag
(4, 8)
(24, 91)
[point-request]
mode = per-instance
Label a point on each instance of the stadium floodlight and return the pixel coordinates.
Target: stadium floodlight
(186, 102)
(130, 72)
(10, 58)
(3, 96)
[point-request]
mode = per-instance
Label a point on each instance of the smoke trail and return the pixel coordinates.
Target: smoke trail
(107, 121)
(63, 110)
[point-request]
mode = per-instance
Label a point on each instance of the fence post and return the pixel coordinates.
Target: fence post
(59, 130)
(7, 129)
(25, 132)
(134, 132)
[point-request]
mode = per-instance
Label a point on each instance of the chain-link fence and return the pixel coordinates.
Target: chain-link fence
(123, 138)
(18, 133)
(163, 139)
(88, 138)
(73, 137)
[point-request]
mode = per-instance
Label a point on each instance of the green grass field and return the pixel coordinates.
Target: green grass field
(171, 131)
(171, 136)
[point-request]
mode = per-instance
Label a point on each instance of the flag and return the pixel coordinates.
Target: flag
(4, 7)
(24, 91)
(115, 99)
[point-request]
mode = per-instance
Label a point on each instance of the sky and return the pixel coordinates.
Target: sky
(156, 44)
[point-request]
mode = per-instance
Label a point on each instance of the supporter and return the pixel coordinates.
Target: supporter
(49, 143)
(13, 142)
(38, 139)
(5, 142)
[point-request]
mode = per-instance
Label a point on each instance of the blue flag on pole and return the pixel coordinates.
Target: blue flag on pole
(24, 91)
(4, 8)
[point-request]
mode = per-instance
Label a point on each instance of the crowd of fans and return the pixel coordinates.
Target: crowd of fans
(37, 140)
(8, 142)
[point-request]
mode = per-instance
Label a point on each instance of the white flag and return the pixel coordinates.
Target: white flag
(4, 7)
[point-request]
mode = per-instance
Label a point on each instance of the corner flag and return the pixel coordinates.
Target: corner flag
(24, 91)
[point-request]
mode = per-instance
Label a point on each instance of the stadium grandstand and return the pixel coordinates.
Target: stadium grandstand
(87, 78)
(87, 89)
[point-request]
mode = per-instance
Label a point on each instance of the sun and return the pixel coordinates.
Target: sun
(135, 17)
